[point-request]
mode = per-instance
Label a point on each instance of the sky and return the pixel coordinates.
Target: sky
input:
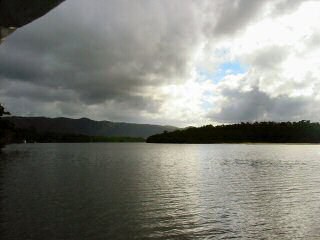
(171, 62)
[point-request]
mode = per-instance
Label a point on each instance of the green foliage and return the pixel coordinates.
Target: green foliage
(257, 132)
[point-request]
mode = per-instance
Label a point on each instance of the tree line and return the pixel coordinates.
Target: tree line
(10, 134)
(257, 132)
(31, 135)
(6, 128)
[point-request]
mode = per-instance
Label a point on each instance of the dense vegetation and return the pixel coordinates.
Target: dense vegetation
(6, 128)
(9, 133)
(257, 132)
(33, 136)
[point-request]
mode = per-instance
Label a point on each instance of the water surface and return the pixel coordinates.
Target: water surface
(160, 191)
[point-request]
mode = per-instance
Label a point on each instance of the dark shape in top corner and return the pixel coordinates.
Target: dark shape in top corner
(17, 13)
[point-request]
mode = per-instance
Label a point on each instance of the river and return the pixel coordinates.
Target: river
(160, 191)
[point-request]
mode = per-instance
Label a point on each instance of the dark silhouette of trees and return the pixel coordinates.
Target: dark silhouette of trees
(257, 132)
(6, 128)
(2, 111)
(31, 135)
(11, 134)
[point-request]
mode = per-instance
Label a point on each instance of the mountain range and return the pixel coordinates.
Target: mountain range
(85, 126)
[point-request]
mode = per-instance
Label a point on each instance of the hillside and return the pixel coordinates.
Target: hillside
(85, 126)
(258, 132)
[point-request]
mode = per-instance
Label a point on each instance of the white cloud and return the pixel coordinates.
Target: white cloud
(282, 56)
(155, 61)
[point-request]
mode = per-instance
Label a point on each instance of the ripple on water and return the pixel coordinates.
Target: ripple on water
(150, 191)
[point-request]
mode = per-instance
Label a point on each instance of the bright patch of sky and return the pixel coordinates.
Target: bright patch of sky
(166, 62)
(223, 70)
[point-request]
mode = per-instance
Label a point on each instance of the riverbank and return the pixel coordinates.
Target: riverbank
(303, 132)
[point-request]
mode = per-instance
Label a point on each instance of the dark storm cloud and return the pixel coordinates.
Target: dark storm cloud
(25, 90)
(231, 16)
(103, 50)
(255, 105)
(105, 59)
(225, 18)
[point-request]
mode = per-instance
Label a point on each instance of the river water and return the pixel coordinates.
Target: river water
(160, 191)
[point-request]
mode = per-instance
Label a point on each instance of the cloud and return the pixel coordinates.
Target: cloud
(256, 105)
(102, 51)
(144, 61)
(287, 6)
(268, 58)
(232, 16)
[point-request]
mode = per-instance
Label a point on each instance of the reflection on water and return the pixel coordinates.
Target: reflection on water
(150, 191)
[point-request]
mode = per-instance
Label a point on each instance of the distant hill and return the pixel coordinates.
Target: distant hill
(85, 126)
(257, 132)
